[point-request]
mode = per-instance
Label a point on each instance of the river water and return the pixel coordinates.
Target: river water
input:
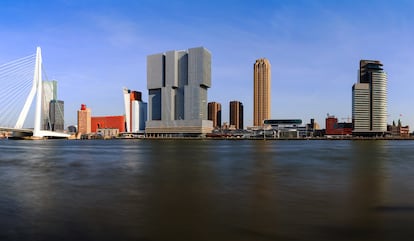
(150, 190)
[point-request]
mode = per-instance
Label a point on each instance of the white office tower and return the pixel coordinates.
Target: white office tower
(135, 111)
(369, 100)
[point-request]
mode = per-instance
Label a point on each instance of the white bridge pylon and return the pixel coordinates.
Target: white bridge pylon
(36, 90)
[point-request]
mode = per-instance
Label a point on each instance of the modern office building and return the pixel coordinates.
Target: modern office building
(135, 111)
(49, 92)
(214, 114)
(236, 114)
(261, 95)
(177, 83)
(56, 116)
(369, 100)
(84, 120)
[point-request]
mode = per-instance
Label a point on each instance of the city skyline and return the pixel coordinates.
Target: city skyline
(314, 48)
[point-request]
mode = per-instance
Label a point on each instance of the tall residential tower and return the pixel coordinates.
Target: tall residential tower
(262, 78)
(369, 100)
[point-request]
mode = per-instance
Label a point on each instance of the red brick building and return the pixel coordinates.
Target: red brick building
(113, 122)
(333, 127)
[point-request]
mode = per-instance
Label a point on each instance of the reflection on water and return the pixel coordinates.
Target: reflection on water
(206, 190)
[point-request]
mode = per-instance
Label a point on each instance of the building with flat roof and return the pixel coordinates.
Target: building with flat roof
(369, 100)
(177, 83)
(108, 122)
(261, 94)
(334, 128)
(214, 114)
(286, 128)
(236, 114)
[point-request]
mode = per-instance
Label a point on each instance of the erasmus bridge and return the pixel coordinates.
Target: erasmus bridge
(21, 81)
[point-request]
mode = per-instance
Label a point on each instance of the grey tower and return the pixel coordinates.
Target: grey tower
(177, 83)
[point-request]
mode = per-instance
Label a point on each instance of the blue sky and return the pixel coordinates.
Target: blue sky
(94, 48)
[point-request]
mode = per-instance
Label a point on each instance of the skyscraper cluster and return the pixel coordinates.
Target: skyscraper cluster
(261, 96)
(177, 83)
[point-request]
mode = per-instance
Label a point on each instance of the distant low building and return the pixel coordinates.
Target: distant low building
(285, 128)
(398, 130)
(333, 127)
(72, 129)
(107, 133)
(108, 122)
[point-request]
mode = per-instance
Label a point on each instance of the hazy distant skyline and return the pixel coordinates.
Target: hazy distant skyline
(95, 48)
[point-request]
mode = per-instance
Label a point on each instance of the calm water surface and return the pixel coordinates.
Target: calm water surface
(206, 190)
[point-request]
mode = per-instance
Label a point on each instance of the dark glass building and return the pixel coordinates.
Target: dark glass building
(236, 114)
(214, 113)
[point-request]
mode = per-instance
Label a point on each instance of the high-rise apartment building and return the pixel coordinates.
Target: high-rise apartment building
(236, 114)
(261, 95)
(135, 111)
(84, 120)
(214, 113)
(369, 100)
(177, 83)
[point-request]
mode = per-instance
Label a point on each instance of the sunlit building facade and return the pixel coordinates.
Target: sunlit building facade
(177, 83)
(84, 120)
(261, 95)
(369, 100)
(135, 111)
